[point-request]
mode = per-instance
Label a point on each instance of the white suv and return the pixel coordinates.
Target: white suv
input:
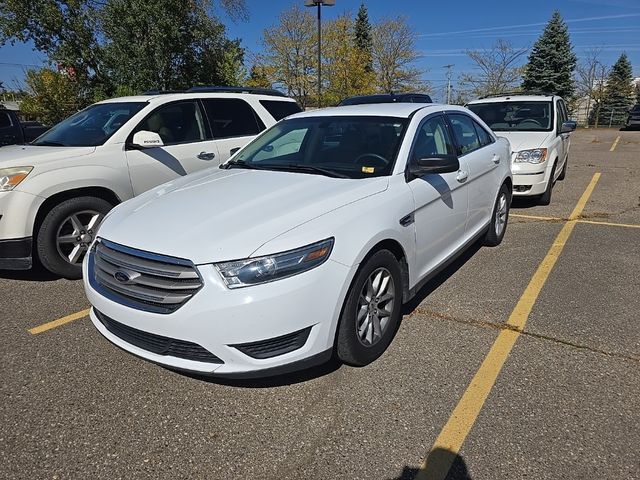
(538, 128)
(309, 238)
(55, 191)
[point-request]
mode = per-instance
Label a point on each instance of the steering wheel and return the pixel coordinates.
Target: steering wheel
(530, 120)
(381, 159)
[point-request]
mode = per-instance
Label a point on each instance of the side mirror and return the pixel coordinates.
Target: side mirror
(434, 164)
(146, 139)
(568, 127)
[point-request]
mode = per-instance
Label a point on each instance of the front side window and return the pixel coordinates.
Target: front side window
(349, 146)
(515, 116)
(465, 133)
(231, 117)
(432, 139)
(560, 115)
(90, 127)
(180, 122)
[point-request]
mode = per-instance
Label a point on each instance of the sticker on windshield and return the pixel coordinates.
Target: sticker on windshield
(368, 169)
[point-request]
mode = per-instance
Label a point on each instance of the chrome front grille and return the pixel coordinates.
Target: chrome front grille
(142, 280)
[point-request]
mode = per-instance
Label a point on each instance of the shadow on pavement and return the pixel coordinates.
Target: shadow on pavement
(439, 458)
(524, 202)
(35, 274)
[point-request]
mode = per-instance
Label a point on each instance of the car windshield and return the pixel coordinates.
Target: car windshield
(90, 127)
(341, 146)
(515, 116)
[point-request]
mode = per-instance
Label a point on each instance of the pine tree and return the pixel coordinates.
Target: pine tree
(363, 36)
(552, 61)
(618, 93)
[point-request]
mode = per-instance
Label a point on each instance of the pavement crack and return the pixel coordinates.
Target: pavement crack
(539, 336)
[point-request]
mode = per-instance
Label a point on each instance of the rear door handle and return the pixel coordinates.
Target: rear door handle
(496, 159)
(206, 155)
(462, 176)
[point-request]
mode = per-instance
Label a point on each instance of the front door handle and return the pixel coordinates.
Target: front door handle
(496, 159)
(462, 176)
(206, 155)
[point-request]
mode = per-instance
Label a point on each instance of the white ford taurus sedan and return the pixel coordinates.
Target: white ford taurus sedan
(304, 245)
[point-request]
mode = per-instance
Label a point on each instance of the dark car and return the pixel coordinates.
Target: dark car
(13, 131)
(633, 120)
(387, 98)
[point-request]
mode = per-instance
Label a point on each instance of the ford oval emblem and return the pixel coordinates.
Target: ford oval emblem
(122, 277)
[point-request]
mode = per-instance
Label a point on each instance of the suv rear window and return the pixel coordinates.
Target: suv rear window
(525, 116)
(280, 110)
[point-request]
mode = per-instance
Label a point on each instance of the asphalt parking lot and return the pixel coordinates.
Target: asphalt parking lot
(521, 361)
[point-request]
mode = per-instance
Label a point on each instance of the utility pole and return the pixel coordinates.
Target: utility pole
(449, 67)
(319, 4)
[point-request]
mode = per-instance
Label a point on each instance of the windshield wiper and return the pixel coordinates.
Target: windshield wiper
(47, 143)
(240, 164)
(296, 167)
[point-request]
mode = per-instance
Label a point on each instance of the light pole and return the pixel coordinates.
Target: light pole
(449, 67)
(319, 4)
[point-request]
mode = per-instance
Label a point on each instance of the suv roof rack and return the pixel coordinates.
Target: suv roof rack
(223, 89)
(161, 92)
(507, 94)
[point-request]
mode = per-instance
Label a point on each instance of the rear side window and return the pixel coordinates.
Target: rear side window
(5, 120)
(465, 133)
(280, 110)
(231, 117)
(483, 136)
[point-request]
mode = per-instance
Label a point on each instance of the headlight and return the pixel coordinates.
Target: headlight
(10, 177)
(537, 155)
(252, 271)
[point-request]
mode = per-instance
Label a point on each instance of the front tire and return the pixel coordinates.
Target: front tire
(563, 173)
(372, 310)
(545, 198)
(499, 219)
(66, 233)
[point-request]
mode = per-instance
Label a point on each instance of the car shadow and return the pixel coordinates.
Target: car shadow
(281, 380)
(439, 458)
(34, 274)
(429, 287)
(524, 202)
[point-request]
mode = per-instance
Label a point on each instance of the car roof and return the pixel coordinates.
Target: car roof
(384, 98)
(401, 110)
(515, 98)
(169, 97)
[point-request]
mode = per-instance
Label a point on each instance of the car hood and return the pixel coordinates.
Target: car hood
(219, 215)
(31, 155)
(525, 140)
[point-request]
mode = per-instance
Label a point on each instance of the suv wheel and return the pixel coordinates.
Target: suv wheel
(545, 198)
(66, 233)
(499, 219)
(372, 310)
(563, 173)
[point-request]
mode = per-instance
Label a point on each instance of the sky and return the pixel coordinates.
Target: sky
(445, 30)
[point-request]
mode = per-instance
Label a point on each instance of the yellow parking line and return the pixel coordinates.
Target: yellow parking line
(464, 415)
(56, 323)
(535, 217)
(615, 144)
(609, 224)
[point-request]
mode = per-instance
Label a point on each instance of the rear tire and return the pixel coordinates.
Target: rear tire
(499, 219)
(371, 311)
(66, 232)
(545, 198)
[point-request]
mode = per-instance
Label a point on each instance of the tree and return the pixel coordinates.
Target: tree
(258, 77)
(619, 93)
(498, 69)
(393, 53)
(589, 79)
(552, 61)
(290, 53)
(52, 96)
(344, 62)
(362, 31)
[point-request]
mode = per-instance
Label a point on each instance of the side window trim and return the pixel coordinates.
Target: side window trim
(187, 100)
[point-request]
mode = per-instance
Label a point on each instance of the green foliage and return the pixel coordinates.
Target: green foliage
(258, 77)
(52, 96)
(619, 93)
(552, 61)
(362, 32)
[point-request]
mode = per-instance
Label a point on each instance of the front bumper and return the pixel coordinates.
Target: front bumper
(529, 179)
(15, 254)
(219, 320)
